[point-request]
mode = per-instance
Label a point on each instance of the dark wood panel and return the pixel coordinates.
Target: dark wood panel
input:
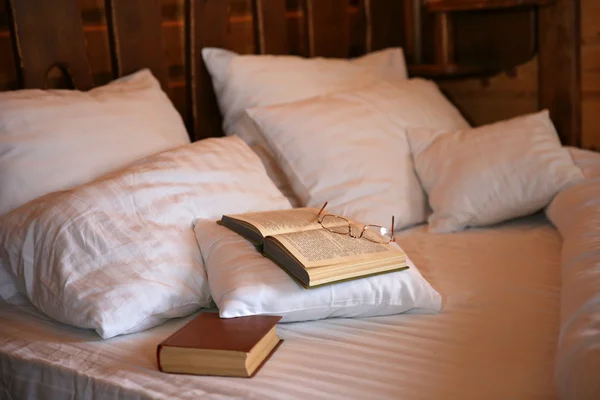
(386, 25)
(464, 5)
(271, 31)
(207, 22)
(136, 37)
(482, 37)
(478, 36)
(327, 28)
(559, 75)
(8, 73)
(49, 35)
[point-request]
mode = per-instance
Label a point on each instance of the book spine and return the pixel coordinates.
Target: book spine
(158, 350)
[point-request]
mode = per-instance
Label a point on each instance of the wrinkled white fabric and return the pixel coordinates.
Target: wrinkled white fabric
(119, 255)
(495, 340)
(492, 173)
(576, 214)
(350, 148)
(58, 139)
(244, 282)
(244, 81)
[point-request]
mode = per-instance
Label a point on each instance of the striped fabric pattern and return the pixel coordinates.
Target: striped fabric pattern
(495, 339)
(119, 255)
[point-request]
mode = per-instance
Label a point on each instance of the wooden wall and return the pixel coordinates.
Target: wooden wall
(481, 100)
(240, 30)
(515, 93)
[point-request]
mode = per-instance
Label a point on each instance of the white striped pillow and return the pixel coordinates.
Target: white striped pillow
(119, 255)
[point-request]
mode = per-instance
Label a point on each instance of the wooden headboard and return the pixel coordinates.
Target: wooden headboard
(48, 40)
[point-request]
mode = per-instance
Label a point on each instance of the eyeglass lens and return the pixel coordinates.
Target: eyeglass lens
(335, 224)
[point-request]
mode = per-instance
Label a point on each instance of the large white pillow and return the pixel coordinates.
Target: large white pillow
(119, 255)
(350, 148)
(57, 139)
(244, 81)
(492, 173)
(243, 282)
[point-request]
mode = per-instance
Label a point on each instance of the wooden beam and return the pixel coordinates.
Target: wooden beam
(388, 25)
(470, 5)
(206, 26)
(136, 41)
(559, 36)
(270, 26)
(327, 28)
(444, 39)
(48, 35)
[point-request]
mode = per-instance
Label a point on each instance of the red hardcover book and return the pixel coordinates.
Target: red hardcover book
(210, 345)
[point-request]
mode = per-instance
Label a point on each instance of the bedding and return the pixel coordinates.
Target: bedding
(118, 255)
(587, 160)
(492, 173)
(244, 282)
(495, 339)
(57, 139)
(576, 214)
(350, 148)
(244, 81)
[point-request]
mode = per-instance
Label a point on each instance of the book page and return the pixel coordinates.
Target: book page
(317, 248)
(281, 221)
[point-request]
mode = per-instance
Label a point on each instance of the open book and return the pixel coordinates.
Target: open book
(296, 242)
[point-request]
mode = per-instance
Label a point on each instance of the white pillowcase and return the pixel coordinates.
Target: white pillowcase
(491, 173)
(587, 160)
(57, 139)
(244, 81)
(350, 148)
(243, 282)
(119, 255)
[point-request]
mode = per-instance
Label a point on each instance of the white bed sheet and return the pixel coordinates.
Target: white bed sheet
(495, 339)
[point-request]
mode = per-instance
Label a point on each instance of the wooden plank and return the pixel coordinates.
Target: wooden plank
(206, 22)
(385, 22)
(327, 28)
(590, 122)
(481, 37)
(469, 5)
(49, 35)
(270, 24)
(444, 39)
(590, 73)
(559, 33)
(136, 39)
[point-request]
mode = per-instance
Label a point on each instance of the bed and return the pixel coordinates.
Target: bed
(458, 354)
(519, 295)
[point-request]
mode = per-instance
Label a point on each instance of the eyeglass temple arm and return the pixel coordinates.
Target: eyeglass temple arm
(322, 208)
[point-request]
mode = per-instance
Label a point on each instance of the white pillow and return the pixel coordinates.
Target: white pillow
(491, 173)
(587, 160)
(244, 81)
(350, 148)
(119, 255)
(243, 282)
(57, 139)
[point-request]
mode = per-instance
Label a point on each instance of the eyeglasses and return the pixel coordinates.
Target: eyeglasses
(336, 224)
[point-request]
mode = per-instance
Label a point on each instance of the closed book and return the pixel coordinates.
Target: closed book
(210, 345)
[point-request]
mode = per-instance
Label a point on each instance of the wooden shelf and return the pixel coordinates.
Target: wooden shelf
(441, 71)
(473, 5)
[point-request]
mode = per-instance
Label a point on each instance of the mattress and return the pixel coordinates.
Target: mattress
(495, 339)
